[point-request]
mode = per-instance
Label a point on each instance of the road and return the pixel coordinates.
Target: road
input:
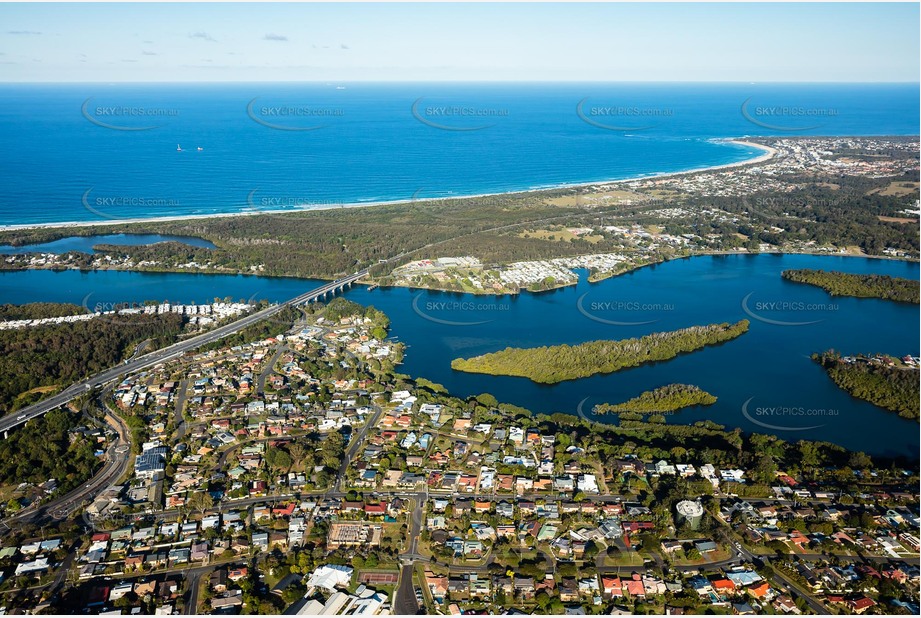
(117, 459)
(179, 405)
(354, 444)
(177, 349)
(404, 602)
(268, 369)
(168, 353)
(192, 579)
(791, 586)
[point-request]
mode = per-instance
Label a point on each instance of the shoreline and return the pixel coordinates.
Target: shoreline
(767, 153)
(371, 283)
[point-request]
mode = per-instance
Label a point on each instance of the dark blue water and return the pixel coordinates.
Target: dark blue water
(70, 155)
(85, 244)
(768, 367)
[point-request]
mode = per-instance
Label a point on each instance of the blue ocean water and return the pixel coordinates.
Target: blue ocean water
(96, 152)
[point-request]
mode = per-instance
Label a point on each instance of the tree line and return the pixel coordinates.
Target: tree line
(892, 388)
(42, 449)
(862, 286)
(552, 364)
(666, 398)
(56, 355)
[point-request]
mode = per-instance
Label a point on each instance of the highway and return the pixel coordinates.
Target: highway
(116, 463)
(168, 353)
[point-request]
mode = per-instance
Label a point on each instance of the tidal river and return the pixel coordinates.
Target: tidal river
(764, 380)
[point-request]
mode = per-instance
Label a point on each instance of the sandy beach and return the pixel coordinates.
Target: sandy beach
(767, 154)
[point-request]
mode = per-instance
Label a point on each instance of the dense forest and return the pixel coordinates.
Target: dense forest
(340, 307)
(41, 450)
(50, 357)
(36, 311)
(666, 398)
(892, 388)
(325, 243)
(552, 364)
(862, 286)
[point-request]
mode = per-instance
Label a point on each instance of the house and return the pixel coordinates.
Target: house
(437, 585)
(799, 539)
(569, 590)
(505, 509)
(199, 551)
(860, 604)
(119, 591)
(589, 586)
(612, 586)
(169, 589)
(459, 588)
(261, 541)
(463, 507)
(635, 587)
(527, 507)
(39, 564)
(143, 588)
(228, 600)
(218, 580)
(759, 591)
(723, 586)
(742, 609)
(479, 588)
(784, 604)
(705, 546)
(134, 561)
(524, 587)
(236, 574)
(376, 510)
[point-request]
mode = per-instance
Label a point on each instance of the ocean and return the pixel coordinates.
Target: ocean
(104, 152)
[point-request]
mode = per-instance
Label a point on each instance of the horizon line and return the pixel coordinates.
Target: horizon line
(460, 81)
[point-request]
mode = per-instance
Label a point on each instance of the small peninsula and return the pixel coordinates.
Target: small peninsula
(860, 286)
(884, 381)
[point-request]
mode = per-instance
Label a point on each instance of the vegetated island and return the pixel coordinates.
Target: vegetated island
(882, 380)
(668, 398)
(552, 364)
(862, 286)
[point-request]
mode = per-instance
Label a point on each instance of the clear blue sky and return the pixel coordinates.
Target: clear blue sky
(459, 42)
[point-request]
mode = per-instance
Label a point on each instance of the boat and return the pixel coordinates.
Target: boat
(199, 149)
(178, 148)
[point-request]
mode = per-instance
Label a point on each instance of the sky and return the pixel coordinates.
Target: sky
(846, 42)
